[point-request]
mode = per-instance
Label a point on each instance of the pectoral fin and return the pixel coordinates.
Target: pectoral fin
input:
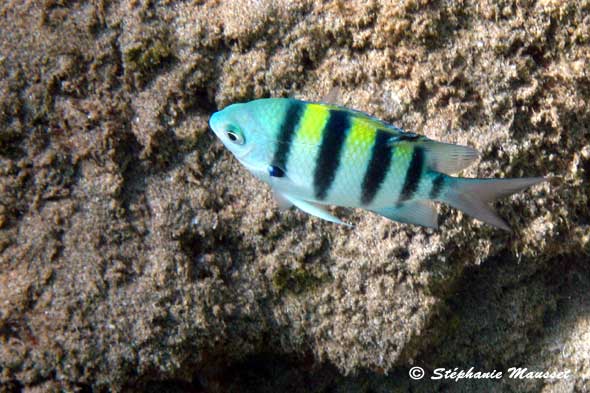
(314, 209)
(281, 200)
(413, 212)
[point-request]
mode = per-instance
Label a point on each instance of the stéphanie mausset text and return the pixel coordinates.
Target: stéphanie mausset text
(513, 373)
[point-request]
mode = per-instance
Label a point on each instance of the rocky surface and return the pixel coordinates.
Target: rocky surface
(136, 254)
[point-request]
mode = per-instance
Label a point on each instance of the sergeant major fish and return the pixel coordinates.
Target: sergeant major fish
(314, 155)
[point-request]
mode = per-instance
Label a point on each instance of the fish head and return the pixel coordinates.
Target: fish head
(243, 131)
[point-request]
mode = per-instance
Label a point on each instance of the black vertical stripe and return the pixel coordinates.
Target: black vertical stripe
(413, 175)
(293, 115)
(333, 138)
(437, 185)
(378, 166)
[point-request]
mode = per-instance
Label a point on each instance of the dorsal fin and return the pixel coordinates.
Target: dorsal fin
(441, 157)
(448, 158)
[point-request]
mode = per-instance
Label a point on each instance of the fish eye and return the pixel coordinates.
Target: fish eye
(235, 136)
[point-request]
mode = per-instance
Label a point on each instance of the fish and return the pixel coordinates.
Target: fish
(314, 155)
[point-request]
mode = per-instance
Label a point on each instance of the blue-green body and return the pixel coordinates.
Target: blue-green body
(314, 154)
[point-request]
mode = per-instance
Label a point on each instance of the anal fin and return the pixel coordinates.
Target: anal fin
(412, 212)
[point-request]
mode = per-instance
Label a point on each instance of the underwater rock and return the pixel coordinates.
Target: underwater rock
(137, 254)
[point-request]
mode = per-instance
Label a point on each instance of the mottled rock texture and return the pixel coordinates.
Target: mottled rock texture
(136, 254)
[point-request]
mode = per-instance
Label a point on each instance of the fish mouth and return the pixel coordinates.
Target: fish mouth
(213, 120)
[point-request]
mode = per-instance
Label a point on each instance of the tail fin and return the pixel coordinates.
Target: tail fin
(473, 195)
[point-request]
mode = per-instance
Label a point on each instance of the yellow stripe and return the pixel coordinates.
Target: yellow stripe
(359, 142)
(311, 125)
(402, 156)
(403, 151)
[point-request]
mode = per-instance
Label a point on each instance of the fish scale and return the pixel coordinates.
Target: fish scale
(347, 186)
(314, 155)
(305, 148)
(395, 178)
